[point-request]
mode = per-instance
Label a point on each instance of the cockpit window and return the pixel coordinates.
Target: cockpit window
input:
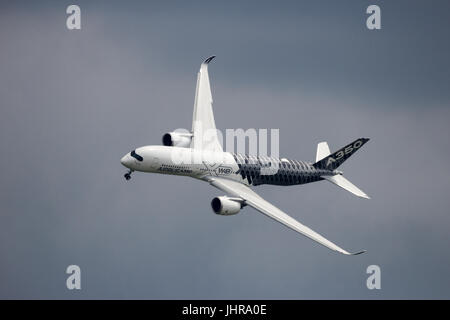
(136, 156)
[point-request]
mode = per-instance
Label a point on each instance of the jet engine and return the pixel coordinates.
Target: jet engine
(226, 206)
(177, 139)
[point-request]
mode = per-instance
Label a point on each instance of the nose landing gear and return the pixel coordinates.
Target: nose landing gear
(128, 175)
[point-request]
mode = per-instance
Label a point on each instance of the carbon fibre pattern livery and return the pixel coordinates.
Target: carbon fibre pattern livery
(286, 172)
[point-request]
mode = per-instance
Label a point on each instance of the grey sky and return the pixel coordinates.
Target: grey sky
(73, 102)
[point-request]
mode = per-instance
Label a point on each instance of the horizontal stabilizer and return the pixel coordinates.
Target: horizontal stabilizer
(340, 181)
(322, 151)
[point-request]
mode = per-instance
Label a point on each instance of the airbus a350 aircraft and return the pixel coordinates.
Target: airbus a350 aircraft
(235, 173)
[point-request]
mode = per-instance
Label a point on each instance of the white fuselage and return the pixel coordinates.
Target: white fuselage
(202, 164)
(183, 162)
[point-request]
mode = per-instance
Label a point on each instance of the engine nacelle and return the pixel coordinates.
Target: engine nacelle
(226, 206)
(177, 139)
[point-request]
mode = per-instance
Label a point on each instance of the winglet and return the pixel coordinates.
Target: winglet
(356, 253)
(207, 61)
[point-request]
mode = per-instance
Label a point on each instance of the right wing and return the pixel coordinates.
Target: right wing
(251, 198)
(203, 125)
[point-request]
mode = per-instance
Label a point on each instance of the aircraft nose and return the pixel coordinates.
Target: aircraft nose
(126, 160)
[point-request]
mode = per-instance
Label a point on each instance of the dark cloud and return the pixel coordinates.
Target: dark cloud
(73, 102)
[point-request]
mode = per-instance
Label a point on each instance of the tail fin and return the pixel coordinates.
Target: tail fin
(333, 161)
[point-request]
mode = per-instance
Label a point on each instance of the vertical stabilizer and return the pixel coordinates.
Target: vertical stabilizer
(333, 161)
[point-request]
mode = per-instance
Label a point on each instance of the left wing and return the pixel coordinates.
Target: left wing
(203, 125)
(252, 199)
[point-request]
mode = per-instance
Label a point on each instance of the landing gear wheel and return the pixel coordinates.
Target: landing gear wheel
(128, 175)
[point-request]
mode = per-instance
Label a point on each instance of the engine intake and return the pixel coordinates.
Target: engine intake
(177, 139)
(226, 206)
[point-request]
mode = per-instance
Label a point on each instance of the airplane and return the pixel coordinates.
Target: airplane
(234, 173)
